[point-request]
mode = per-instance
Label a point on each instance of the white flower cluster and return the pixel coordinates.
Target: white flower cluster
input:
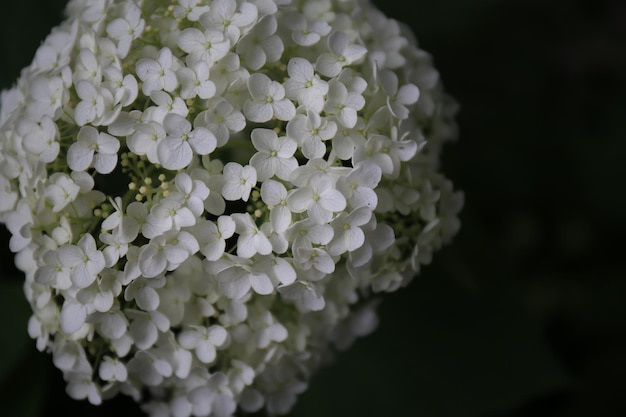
(205, 195)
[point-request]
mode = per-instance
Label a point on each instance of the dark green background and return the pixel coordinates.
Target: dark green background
(524, 314)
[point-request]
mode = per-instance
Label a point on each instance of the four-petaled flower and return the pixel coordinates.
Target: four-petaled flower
(94, 147)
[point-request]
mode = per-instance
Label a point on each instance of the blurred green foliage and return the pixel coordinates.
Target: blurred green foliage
(524, 314)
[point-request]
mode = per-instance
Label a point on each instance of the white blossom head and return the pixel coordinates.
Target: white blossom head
(207, 197)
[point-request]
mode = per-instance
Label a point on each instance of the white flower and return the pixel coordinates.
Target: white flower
(165, 104)
(304, 85)
(274, 194)
(159, 74)
(222, 119)
(52, 272)
(267, 100)
(310, 131)
(315, 258)
(235, 279)
(61, 191)
(40, 138)
(342, 53)
(177, 149)
(225, 18)
(94, 147)
(48, 97)
(261, 45)
(190, 9)
(148, 368)
(319, 199)
(192, 192)
(166, 252)
(168, 214)
(267, 329)
(387, 154)
(348, 236)
(20, 221)
(227, 71)
(143, 292)
(91, 105)
(123, 87)
(125, 29)
(251, 240)
(213, 397)
(208, 46)
(306, 233)
(212, 237)
(195, 81)
(144, 329)
(87, 68)
(358, 186)
(343, 104)
(126, 226)
(145, 139)
(274, 156)
(398, 97)
(203, 340)
(239, 181)
(80, 386)
(84, 260)
(307, 32)
(112, 369)
(304, 295)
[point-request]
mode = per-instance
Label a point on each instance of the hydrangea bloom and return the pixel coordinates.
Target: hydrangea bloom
(205, 196)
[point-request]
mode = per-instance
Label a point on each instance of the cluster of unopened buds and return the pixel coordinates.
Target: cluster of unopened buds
(206, 195)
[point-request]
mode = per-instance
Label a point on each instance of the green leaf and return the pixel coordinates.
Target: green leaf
(14, 314)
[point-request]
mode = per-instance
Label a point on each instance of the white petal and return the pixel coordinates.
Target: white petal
(300, 199)
(202, 141)
(300, 69)
(360, 216)
(284, 109)
(328, 65)
(261, 284)
(234, 282)
(217, 335)
(273, 192)
(408, 94)
(174, 154)
(280, 217)
(333, 200)
(84, 113)
(103, 301)
(205, 352)
(144, 333)
(258, 111)
(262, 244)
(81, 276)
(284, 271)
(246, 247)
(113, 326)
(72, 317)
(147, 299)
(79, 157)
(151, 261)
(189, 339)
(104, 163)
(354, 238)
(226, 226)
(364, 197)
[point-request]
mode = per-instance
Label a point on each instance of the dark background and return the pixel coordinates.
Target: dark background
(523, 315)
